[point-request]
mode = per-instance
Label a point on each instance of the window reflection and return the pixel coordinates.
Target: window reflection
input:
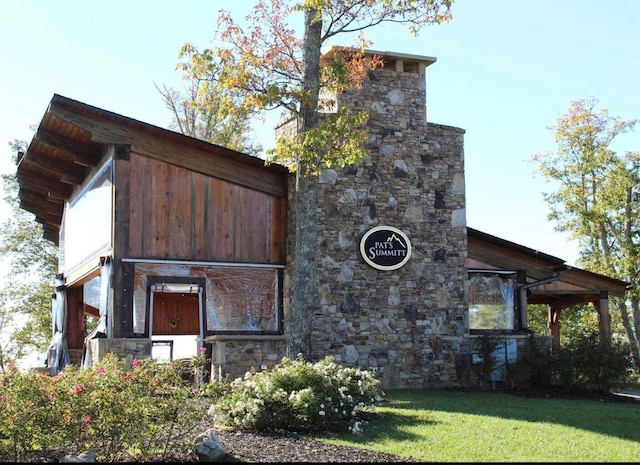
(86, 226)
(491, 299)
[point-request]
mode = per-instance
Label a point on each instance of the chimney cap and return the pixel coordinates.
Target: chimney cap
(388, 56)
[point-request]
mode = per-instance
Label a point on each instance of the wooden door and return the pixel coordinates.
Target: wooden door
(176, 313)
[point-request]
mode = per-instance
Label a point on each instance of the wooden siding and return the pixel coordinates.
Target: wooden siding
(178, 214)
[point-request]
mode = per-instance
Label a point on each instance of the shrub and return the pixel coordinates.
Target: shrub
(485, 347)
(296, 395)
(27, 409)
(534, 367)
(122, 413)
(588, 363)
(584, 363)
(214, 390)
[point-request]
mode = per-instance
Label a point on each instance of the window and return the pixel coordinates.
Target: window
(86, 226)
(245, 300)
(237, 298)
(491, 297)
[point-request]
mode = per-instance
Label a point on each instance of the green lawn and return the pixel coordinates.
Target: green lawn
(454, 426)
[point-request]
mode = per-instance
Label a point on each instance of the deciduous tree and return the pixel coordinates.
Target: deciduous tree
(206, 110)
(273, 68)
(25, 298)
(598, 200)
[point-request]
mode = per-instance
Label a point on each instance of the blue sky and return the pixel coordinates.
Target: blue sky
(505, 71)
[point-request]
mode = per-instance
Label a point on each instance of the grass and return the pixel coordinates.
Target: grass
(455, 426)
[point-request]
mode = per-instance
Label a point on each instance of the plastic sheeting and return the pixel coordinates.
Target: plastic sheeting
(238, 298)
(101, 329)
(491, 300)
(58, 352)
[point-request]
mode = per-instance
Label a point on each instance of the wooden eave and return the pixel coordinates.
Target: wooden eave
(73, 137)
(574, 286)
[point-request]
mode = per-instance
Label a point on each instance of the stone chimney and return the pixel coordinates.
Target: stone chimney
(406, 324)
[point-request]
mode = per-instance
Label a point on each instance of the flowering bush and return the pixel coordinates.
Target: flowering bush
(122, 413)
(147, 410)
(299, 396)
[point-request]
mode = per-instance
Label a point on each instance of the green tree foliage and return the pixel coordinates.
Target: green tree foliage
(206, 110)
(271, 68)
(25, 298)
(597, 201)
(576, 321)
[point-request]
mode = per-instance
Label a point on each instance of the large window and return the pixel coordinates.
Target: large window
(245, 300)
(239, 298)
(491, 297)
(86, 226)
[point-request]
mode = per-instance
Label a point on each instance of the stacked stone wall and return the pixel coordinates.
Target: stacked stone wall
(231, 359)
(408, 325)
(124, 348)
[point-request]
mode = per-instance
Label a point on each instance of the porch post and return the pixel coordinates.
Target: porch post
(554, 327)
(604, 318)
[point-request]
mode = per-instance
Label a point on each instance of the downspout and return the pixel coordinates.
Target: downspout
(522, 296)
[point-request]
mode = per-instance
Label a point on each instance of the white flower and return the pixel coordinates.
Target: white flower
(355, 428)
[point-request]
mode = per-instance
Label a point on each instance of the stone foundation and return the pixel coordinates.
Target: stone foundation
(233, 356)
(124, 348)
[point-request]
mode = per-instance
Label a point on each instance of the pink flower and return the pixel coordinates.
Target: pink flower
(135, 362)
(100, 370)
(77, 389)
(86, 419)
(203, 350)
(5, 398)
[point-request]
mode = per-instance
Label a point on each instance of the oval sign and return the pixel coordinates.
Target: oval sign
(385, 248)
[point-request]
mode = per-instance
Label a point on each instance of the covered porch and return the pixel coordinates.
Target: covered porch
(549, 281)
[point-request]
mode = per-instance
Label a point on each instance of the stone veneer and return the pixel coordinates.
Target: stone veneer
(233, 356)
(408, 325)
(124, 348)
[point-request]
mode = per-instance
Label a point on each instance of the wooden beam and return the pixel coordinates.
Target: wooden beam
(66, 172)
(168, 146)
(604, 318)
(561, 301)
(80, 152)
(34, 182)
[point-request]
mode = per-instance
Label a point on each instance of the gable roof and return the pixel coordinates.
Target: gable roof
(72, 138)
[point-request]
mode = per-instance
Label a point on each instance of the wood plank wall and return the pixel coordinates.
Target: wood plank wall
(179, 214)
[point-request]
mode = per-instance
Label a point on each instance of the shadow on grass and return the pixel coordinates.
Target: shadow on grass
(403, 409)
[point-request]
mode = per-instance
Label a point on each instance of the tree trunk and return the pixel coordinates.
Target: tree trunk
(303, 300)
(629, 329)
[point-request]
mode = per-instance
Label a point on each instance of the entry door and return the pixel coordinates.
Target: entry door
(176, 313)
(176, 317)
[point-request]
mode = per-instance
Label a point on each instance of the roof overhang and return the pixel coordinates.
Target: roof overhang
(574, 286)
(73, 138)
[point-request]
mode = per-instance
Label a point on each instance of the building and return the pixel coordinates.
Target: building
(163, 236)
